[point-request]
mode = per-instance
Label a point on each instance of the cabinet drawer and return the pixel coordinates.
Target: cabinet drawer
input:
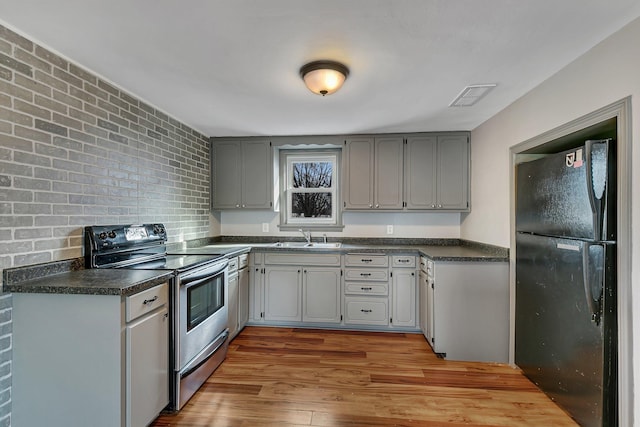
(366, 311)
(403, 261)
(233, 264)
(302, 259)
(363, 288)
(376, 274)
(243, 260)
(146, 301)
(356, 260)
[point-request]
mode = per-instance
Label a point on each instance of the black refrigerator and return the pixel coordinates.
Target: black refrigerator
(565, 311)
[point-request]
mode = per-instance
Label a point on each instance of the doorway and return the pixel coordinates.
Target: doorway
(612, 121)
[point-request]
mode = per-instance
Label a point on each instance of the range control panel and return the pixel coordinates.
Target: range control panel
(105, 237)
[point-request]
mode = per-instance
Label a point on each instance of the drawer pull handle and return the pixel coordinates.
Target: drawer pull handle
(366, 289)
(403, 260)
(365, 274)
(367, 260)
(366, 311)
(149, 301)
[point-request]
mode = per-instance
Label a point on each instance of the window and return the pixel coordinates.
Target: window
(310, 189)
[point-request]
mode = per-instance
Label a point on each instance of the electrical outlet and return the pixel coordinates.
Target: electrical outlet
(389, 229)
(265, 227)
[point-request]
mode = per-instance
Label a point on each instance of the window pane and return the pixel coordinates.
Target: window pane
(311, 205)
(312, 174)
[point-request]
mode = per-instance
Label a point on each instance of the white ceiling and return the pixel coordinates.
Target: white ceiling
(230, 67)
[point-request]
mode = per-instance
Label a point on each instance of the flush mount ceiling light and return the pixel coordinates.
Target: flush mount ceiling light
(324, 77)
(471, 94)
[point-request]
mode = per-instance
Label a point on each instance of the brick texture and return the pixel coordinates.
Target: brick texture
(76, 150)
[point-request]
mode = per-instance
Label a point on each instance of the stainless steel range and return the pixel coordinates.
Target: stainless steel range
(199, 303)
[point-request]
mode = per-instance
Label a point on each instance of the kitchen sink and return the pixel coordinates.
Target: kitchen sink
(323, 245)
(318, 245)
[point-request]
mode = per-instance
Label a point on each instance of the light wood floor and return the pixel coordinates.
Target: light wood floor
(300, 377)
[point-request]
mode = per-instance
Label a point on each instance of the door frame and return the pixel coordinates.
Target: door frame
(621, 111)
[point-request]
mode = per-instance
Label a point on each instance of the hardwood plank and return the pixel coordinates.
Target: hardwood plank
(295, 377)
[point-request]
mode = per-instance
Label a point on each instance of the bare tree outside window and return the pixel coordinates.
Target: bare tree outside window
(307, 201)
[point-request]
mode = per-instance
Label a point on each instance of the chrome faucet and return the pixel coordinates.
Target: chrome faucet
(306, 234)
(324, 237)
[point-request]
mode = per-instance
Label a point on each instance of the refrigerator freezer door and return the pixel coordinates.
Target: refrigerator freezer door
(568, 194)
(559, 345)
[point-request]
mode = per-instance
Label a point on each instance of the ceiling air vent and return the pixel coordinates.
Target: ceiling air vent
(471, 94)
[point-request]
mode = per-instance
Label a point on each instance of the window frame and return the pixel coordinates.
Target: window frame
(286, 190)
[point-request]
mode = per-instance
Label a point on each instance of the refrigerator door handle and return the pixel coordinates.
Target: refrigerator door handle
(593, 278)
(596, 176)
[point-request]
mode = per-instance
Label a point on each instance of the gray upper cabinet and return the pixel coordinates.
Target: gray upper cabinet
(437, 172)
(242, 174)
(453, 173)
(373, 173)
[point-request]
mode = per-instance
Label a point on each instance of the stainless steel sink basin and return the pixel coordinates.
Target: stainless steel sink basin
(318, 245)
(323, 245)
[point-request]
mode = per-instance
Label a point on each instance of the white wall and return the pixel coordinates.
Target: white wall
(607, 73)
(368, 224)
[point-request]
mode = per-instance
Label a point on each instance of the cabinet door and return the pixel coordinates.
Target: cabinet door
(453, 172)
(226, 174)
(422, 289)
(388, 172)
(243, 297)
(257, 180)
(420, 172)
(403, 294)
(282, 294)
(321, 295)
(256, 292)
(147, 367)
(358, 173)
(431, 314)
(233, 306)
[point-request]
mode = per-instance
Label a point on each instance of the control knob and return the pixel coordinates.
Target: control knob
(102, 236)
(112, 234)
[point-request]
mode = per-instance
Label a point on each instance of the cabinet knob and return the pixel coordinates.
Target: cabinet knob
(237, 206)
(370, 206)
(433, 206)
(377, 206)
(244, 206)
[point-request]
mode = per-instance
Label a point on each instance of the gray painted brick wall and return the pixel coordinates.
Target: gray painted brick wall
(76, 150)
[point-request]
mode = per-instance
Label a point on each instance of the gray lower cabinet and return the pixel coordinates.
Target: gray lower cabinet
(437, 172)
(403, 292)
(283, 294)
(243, 295)
(90, 360)
(238, 294)
(373, 173)
(366, 294)
(256, 287)
(321, 295)
(470, 310)
(301, 288)
(242, 176)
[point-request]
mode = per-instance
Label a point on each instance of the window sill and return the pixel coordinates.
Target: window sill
(310, 227)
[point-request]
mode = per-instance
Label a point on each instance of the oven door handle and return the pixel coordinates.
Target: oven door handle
(202, 275)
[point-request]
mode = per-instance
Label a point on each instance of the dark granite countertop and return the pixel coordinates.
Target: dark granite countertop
(69, 276)
(91, 282)
(438, 250)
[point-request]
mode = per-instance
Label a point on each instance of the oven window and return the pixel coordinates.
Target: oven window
(204, 299)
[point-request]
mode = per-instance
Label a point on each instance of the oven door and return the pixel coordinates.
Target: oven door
(202, 310)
